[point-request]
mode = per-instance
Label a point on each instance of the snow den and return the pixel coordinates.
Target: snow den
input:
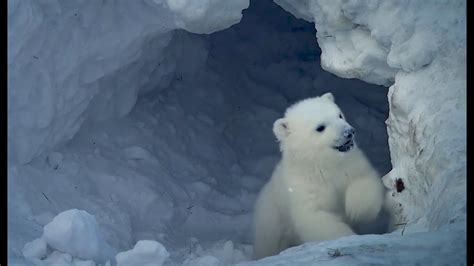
(155, 118)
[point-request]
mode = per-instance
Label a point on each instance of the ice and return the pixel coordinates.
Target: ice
(76, 232)
(145, 252)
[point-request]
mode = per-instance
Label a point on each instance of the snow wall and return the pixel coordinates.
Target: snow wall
(418, 48)
(77, 67)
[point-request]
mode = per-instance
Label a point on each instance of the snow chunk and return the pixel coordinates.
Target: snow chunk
(227, 251)
(78, 262)
(299, 8)
(54, 160)
(58, 258)
(145, 252)
(206, 260)
(220, 253)
(207, 16)
(76, 232)
(136, 153)
(413, 54)
(35, 249)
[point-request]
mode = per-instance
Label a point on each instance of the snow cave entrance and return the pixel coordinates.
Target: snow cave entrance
(241, 79)
(208, 124)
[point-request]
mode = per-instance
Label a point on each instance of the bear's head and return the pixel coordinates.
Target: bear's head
(312, 127)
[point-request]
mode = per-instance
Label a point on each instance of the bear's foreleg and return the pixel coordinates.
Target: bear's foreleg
(318, 225)
(364, 199)
(268, 231)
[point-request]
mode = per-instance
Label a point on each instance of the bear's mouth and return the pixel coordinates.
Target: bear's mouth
(346, 146)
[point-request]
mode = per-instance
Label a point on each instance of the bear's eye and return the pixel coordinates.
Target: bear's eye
(340, 116)
(320, 128)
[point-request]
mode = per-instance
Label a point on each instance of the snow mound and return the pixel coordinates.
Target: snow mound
(145, 252)
(76, 232)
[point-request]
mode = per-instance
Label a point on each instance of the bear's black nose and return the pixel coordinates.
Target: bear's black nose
(348, 133)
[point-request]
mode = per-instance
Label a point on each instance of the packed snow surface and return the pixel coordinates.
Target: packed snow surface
(446, 247)
(128, 133)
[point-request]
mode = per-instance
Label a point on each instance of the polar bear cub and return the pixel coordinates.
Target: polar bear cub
(323, 185)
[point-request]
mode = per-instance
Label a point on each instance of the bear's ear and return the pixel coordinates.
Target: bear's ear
(328, 96)
(281, 129)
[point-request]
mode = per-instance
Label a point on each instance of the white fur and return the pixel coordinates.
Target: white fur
(316, 192)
